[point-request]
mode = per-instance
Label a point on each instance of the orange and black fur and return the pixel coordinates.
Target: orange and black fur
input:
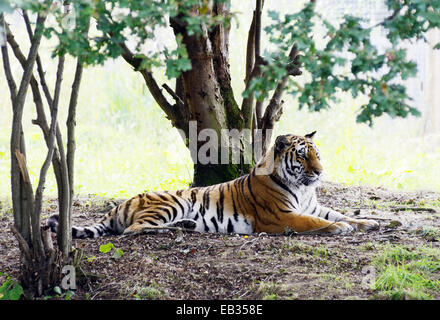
(283, 197)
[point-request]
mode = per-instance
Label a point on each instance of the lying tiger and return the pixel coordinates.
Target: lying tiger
(285, 198)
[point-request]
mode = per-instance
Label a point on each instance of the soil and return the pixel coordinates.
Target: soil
(188, 265)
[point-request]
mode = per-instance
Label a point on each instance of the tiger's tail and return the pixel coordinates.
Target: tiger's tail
(97, 230)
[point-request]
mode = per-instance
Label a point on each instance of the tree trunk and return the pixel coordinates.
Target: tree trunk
(203, 95)
(210, 100)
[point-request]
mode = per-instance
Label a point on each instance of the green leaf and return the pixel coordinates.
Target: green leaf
(10, 289)
(104, 248)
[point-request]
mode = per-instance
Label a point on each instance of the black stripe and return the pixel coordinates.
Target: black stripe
(100, 232)
(89, 233)
(178, 202)
(282, 210)
(244, 194)
(252, 194)
(164, 198)
(141, 200)
(204, 223)
(220, 205)
(283, 186)
(214, 222)
(202, 210)
(234, 208)
(125, 212)
(193, 196)
(159, 216)
(206, 199)
(326, 216)
(286, 160)
(165, 209)
(230, 226)
(174, 213)
(151, 222)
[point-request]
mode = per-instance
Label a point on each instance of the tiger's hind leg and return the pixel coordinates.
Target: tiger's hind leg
(143, 221)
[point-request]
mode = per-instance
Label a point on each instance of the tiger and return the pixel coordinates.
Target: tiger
(283, 198)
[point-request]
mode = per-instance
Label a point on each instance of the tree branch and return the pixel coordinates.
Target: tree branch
(16, 132)
(36, 234)
(258, 9)
(61, 167)
(274, 109)
(40, 69)
(389, 18)
(41, 117)
(41, 121)
(250, 50)
(151, 84)
(71, 147)
(247, 104)
(178, 100)
(253, 62)
(6, 63)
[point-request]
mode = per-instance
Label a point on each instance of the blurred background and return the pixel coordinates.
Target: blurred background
(125, 145)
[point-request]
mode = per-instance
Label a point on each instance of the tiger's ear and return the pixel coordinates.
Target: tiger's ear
(310, 135)
(281, 143)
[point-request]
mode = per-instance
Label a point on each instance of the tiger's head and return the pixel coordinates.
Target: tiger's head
(297, 160)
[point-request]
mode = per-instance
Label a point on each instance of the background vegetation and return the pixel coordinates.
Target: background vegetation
(125, 144)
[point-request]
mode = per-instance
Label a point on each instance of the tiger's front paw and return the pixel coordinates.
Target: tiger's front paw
(341, 228)
(365, 224)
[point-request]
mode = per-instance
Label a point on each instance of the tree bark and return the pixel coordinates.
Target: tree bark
(41, 268)
(17, 142)
(205, 96)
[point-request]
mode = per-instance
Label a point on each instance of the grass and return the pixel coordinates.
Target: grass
(149, 293)
(407, 273)
(430, 233)
(272, 291)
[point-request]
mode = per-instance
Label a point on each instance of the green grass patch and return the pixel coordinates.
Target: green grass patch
(407, 273)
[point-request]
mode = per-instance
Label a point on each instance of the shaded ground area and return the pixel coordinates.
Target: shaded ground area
(176, 265)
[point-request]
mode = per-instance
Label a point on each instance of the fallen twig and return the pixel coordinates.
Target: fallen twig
(413, 209)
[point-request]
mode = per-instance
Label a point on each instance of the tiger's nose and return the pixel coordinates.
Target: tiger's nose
(317, 171)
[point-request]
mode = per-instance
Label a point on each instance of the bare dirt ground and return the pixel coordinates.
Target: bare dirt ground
(176, 265)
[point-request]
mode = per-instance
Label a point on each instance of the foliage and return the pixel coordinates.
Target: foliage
(10, 289)
(118, 21)
(349, 61)
(105, 248)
